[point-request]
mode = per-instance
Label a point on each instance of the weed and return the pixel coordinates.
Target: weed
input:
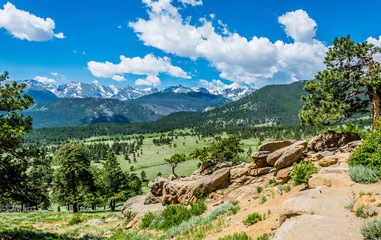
(252, 218)
(259, 189)
(364, 214)
(263, 199)
(76, 219)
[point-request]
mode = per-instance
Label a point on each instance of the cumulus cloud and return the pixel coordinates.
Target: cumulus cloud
(149, 81)
(44, 79)
(376, 42)
(191, 2)
(149, 66)
(252, 61)
(24, 25)
(216, 86)
(298, 25)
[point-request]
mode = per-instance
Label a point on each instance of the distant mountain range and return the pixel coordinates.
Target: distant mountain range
(80, 111)
(44, 91)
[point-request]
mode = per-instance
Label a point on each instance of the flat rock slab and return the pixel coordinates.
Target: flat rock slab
(316, 227)
(330, 179)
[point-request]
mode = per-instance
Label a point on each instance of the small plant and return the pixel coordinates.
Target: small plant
(265, 236)
(372, 230)
(287, 188)
(364, 214)
(199, 193)
(252, 218)
(272, 181)
(263, 199)
(235, 210)
(352, 200)
(259, 189)
(256, 197)
(363, 174)
(198, 207)
(302, 171)
(76, 219)
(147, 219)
(237, 236)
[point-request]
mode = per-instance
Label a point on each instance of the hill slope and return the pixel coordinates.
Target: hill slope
(278, 104)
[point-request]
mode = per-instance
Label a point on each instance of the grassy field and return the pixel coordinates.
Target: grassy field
(59, 222)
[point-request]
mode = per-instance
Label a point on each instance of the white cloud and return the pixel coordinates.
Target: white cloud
(24, 25)
(191, 2)
(44, 79)
(149, 66)
(149, 81)
(54, 73)
(298, 25)
(216, 86)
(252, 61)
(376, 42)
(96, 82)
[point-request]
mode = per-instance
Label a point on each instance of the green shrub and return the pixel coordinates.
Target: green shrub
(259, 189)
(360, 213)
(76, 219)
(198, 207)
(302, 171)
(263, 199)
(265, 236)
(199, 193)
(147, 219)
(372, 230)
(173, 215)
(252, 218)
(237, 236)
(369, 153)
(364, 174)
(272, 181)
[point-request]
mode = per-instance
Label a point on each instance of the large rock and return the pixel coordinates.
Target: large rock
(259, 158)
(292, 154)
(276, 155)
(331, 140)
(156, 187)
(260, 171)
(330, 179)
(350, 147)
(363, 201)
(283, 175)
(273, 146)
(210, 167)
(152, 199)
(184, 190)
(316, 227)
(135, 208)
(299, 204)
(327, 161)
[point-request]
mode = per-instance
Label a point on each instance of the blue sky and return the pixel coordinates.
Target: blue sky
(210, 43)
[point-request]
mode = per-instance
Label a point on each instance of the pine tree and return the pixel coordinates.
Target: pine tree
(349, 85)
(175, 160)
(72, 178)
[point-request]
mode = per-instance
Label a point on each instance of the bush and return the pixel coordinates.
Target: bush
(259, 189)
(147, 219)
(302, 171)
(198, 207)
(369, 153)
(364, 214)
(173, 215)
(237, 236)
(252, 218)
(364, 174)
(199, 193)
(76, 219)
(372, 230)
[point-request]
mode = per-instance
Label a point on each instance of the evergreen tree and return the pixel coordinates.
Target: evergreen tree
(72, 178)
(175, 160)
(14, 160)
(350, 82)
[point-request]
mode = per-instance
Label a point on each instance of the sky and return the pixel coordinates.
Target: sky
(158, 43)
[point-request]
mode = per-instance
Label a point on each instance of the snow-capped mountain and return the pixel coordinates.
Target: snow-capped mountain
(83, 90)
(234, 93)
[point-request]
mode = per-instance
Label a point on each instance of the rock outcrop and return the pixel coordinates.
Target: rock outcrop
(331, 140)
